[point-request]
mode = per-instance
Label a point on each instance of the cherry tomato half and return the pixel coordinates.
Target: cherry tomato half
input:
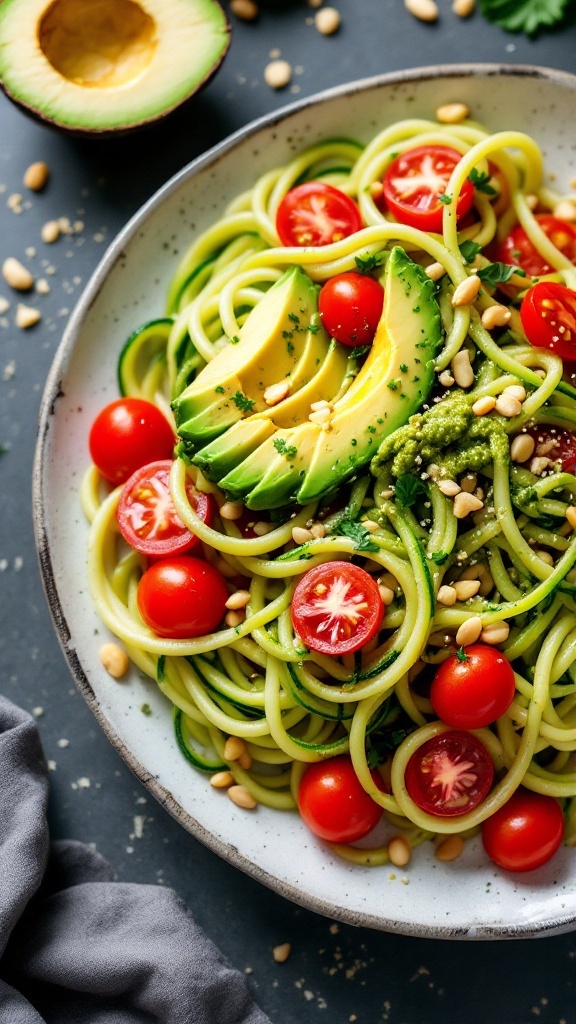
(182, 597)
(472, 690)
(548, 315)
(127, 434)
(557, 444)
(316, 214)
(350, 305)
(449, 774)
(147, 517)
(336, 608)
(414, 182)
(518, 250)
(333, 804)
(525, 833)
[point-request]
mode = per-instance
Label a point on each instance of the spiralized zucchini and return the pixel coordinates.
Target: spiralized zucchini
(255, 680)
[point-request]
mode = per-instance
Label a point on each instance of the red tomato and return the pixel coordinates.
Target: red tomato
(127, 434)
(472, 693)
(147, 517)
(449, 774)
(556, 444)
(518, 250)
(548, 315)
(333, 804)
(414, 182)
(525, 832)
(316, 214)
(350, 305)
(182, 597)
(336, 608)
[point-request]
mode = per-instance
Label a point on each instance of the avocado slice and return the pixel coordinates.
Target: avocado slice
(104, 66)
(391, 385)
(282, 339)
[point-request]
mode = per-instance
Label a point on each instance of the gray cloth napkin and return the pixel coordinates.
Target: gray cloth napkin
(77, 947)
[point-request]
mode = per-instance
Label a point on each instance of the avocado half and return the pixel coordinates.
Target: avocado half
(108, 66)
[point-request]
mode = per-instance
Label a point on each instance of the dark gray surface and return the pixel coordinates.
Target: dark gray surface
(335, 973)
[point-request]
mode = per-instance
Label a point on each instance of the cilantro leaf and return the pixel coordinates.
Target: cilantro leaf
(408, 489)
(481, 181)
(469, 250)
(350, 528)
(499, 273)
(368, 262)
(524, 15)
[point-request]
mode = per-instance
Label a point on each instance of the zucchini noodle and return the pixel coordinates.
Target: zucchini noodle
(253, 678)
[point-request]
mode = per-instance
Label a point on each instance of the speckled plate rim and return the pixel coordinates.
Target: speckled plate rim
(559, 924)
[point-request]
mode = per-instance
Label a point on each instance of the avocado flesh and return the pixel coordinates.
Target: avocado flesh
(275, 343)
(391, 385)
(98, 66)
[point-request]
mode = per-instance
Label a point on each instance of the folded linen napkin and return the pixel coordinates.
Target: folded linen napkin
(77, 947)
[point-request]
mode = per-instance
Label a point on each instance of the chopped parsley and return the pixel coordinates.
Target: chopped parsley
(242, 403)
(369, 262)
(351, 528)
(219, 390)
(446, 199)
(481, 181)
(146, 710)
(499, 273)
(289, 450)
(439, 557)
(524, 15)
(469, 250)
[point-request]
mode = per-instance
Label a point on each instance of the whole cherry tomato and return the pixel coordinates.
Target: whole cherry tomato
(473, 688)
(525, 833)
(333, 803)
(127, 434)
(517, 249)
(350, 305)
(182, 597)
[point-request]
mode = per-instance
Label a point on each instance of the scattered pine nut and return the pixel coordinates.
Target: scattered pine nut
(245, 760)
(231, 510)
(234, 618)
(234, 747)
(221, 780)
(508, 406)
(449, 487)
(278, 74)
(318, 530)
(386, 594)
(245, 10)
(327, 20)
(36, 176)
(484, 405)
(300, 535)
(16, 275)
(469, 482)
(446, 379)
(571, 516)
(452, 113)
(115, 660)
(277, 392)
(539, 464)
(281, 952)
(516, 391)
(240, 796)
(388, 580)
(370, 525)
(465, 589)
(26, 316)
(495, 316)
(565, 210)
(462, 368)
(42, 286)
(495, 633)
(469, 631)
(239, 599)
(545, 556)
(450, 848)
(399, 851)
(50, 231)
(466, 291)
(435, 271)
(261, 528)
(463, 8)
(447, 595)
(465, 503)
(424, 10)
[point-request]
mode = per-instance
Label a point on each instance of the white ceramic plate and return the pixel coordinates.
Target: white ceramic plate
(466, 899)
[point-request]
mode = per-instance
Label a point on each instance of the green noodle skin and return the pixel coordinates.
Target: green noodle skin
(253, 678)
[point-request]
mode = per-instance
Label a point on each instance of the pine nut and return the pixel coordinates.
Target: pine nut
(467, 290)
(115, 660)
(234, 618)
(26, 316)
(495, 633)
(221, 780)
(281, 952)
(469, 631)
(545, 556)
(452, 113)
(322, 404)
(231, 510)
(522, 448)
(226, 569)
(388, 580)
(318, 530)
(16, 275)
(302, 536)
(370, 525)
(565, 210)
(484, 405)
(465, 589)
(447, 595)
(36, 176)
(486, 582)
(516, 391)
(277, 392)
(42, 286)
(424, 10)
(245, 10)
(571, 516)
(277, 74)
(449, 487)
(321, 416)
(234, 747)
(446, 379)
(240, 796)
(469, 482)
(450, 848)
(399, 851)
(463, 8)
(327, 21)
(508, 406)
(465, 503)
(495, 316)
(261, 528)
(245, 760)
(539, 464)
(239, 599)
(462, 369)
(386, 594)
(435, 271)
(50, 231)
